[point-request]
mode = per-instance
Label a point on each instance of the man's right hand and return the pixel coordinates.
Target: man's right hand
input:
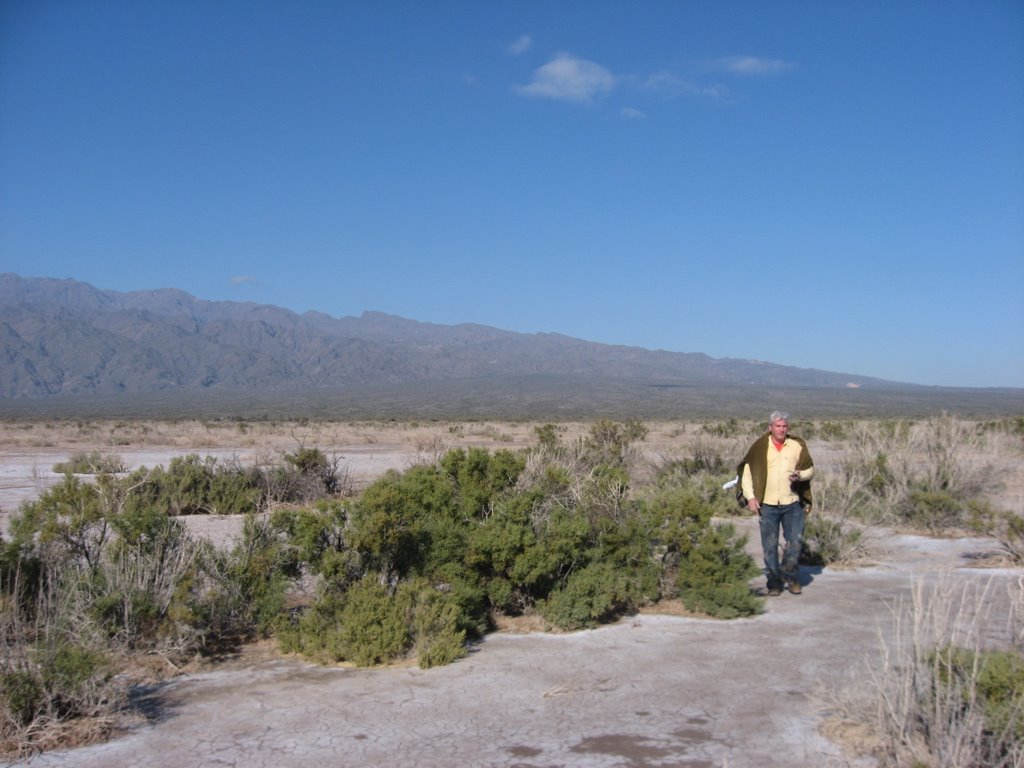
(754, 506)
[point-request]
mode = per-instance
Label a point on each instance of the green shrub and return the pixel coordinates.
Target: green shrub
(991, 681)
(67, 672)
(439, 619)
(703, 485)
(22, 696)
(369, 624)
(192, 485)
(1006, 526)
(705, 565)
(704, 457)
(316, 631)
(493, 549)
(714, 575)
(932, 510)
(550, 557)
(134, 592)
(728, 428)
(480, 477)
(236, 491)
(547, 436)
(69, 521)
(93, 463)
(318, 475)
(828, 541)
(245, 590)
(610, 442)
(676, 519)
(109, 558)
(597, 593)
(21, 577)
(188, 483)
(391, 524)
(63, 680)
(833, 431)
(317, 538)
(374, 627)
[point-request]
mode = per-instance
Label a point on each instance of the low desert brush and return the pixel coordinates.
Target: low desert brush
(947, 686)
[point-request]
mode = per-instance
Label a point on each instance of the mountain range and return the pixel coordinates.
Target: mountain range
(65, 340)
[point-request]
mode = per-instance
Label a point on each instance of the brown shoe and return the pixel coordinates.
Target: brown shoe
(774, 591)
(795, 588)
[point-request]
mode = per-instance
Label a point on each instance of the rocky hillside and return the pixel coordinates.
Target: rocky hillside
(63, 337)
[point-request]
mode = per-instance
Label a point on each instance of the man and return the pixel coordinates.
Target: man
(776, 480)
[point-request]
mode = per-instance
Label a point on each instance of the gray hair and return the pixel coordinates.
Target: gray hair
(778, 416)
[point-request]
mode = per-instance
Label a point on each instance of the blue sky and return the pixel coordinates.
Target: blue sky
(834, 185)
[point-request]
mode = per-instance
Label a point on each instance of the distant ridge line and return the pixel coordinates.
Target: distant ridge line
(67, 340)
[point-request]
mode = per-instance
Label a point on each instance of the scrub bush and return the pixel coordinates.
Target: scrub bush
(713, 578)
(242, 593)
(931, 510)
(945, 690)
(480, 477)
(371, 624)
(554, 531)
(828, 541)
(317, 539)
(993, 682)
(418, 564)
(1006, 526)
(705, 565)
(307, 475)
(547, 436)
(924, 476)
(599, 592)
(728, 428)
(611, 442)
(192, 485)
(374, 627)
(315, 632)
(93, 463)
(68, 522)
(197, 486)
(391, 524)
(56, 680)
(115, 564)
(832, 431)
(704, 456)
(53, 664)
(439, 621)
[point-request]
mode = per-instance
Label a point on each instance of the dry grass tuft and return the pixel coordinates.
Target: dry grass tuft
(922, 700)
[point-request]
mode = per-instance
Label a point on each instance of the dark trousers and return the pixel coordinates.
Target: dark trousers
(791, 519)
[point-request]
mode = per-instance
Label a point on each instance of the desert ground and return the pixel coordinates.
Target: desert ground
(652, 690)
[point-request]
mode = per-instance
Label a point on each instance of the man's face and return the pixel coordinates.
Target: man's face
(779, 429)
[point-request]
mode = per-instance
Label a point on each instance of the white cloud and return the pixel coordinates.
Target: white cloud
(242, 279)
(673, 84)
(569, 78)
(667, 81)
(519, 46)
(632, 114)
(753, 65)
